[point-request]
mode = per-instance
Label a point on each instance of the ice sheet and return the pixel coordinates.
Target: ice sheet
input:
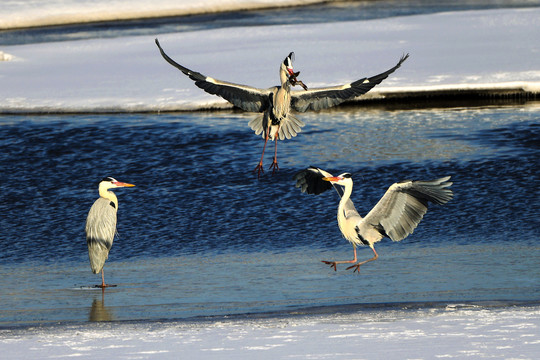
(457, 331)
(461, 50)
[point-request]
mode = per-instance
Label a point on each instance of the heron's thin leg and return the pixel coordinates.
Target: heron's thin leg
(333, 264)
(357, 266)
(102, 279)
(274, 166)
(259, 167)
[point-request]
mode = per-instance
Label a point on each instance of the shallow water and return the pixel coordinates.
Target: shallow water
(200, 235)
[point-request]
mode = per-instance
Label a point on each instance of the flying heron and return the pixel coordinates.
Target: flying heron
(275, 104)
(396, 215)
(101, 225)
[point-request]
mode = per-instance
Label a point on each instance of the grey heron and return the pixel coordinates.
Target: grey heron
(396, 215)
(101, 225)
(275, 103)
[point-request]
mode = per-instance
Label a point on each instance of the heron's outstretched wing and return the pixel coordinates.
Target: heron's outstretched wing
(311, 181)
(100, 232)
(245, 97)
(404, 204)
(323, 98)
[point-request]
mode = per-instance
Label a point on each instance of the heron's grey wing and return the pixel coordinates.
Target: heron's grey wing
(100, 231)
(245, 97)
(404, 204)
(323, 98)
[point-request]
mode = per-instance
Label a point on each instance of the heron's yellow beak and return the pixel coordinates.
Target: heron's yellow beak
(335, 178)
(123, 184)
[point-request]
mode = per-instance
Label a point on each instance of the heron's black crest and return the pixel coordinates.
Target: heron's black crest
(347, 175)
(108, 178)
(289, 59)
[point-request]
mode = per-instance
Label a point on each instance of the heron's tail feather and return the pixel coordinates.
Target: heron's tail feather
(257, 124)
(290, 127)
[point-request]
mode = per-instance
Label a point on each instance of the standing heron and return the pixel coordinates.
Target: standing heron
(101, 225)
(275, 104)
(396, 215)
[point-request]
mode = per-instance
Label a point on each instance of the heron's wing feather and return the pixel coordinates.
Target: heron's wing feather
(311, 181)
(323, 98)
(245, 97)
(100, 231)
(404, 204)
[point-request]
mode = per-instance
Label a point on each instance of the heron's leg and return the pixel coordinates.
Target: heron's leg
(274, 166)
(259, 167)
(333, 264)
(357, 266)
(102, 279)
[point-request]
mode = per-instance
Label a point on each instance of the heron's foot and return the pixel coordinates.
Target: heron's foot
(259, 169)
(332, 264)
(103, 286)
(356, 268)
(274, 166)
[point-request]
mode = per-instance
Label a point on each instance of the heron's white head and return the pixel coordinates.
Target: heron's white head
(286, 71)
(287, 64)
(110, 182)
(343, 179)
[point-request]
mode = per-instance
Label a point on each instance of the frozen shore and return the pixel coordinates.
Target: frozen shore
(457, 331)
(486, 51)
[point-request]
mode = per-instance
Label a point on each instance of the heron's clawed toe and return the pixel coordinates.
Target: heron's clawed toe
(274, 166)
(356, 268)
(259, 169)
(332, 264)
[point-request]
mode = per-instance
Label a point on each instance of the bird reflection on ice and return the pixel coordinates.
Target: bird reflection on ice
(98, 311)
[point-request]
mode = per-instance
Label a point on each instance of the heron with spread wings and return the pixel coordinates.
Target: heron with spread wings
(275, 104)
(395, 216)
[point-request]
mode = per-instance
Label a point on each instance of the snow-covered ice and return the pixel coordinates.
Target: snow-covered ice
(32, 13)
(454, 332)
(455, 50)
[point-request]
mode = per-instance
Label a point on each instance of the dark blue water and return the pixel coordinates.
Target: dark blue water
(200, 235)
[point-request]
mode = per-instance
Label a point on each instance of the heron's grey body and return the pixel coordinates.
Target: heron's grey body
(276, 103)
(101, 225)
(396, 215)
(100, 231)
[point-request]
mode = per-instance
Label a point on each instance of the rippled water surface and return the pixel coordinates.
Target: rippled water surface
(199, 235)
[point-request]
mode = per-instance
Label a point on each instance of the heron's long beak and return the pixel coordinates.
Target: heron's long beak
(123, 184)
(335, 178)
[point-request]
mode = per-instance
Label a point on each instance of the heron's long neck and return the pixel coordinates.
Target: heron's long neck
(109, 195)
(283, 77)
(346, 196)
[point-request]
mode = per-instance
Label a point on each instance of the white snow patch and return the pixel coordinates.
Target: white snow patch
(32, 13)
(424, 334)
(5, 57)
